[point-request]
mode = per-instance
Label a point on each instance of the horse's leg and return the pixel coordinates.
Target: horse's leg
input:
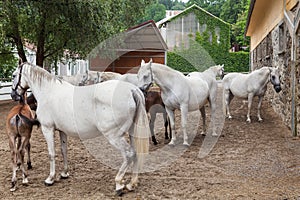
(213, 107)
(64, 150)
(29, 166)
(151, 124)
(260, 98)
(49, 136)
(13, 153)
(250, 98)
(228, 96)
(166, 124)
(172, 124)
(135, 168)
(184, 112)
(24, 144)
(203, 115)
(128, 155)
(170, 129)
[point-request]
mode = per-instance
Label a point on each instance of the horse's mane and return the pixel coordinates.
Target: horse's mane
(213, 68)
(38, 74)
(167, 68)
(109, 75)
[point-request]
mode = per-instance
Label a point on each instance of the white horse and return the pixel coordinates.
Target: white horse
(177, 92)
(98, 77)
(77, 79)
(154, 103)
(248, 86)
(209, 75)
(110, 108)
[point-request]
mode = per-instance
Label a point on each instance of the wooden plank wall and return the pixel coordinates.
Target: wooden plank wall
(127, 63)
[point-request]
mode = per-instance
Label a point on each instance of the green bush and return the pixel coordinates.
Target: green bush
(189, 61)
(237, 62)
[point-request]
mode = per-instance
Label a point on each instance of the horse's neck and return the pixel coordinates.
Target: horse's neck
(264, 74)
(211, 72)
(164, 77)
(39, 80)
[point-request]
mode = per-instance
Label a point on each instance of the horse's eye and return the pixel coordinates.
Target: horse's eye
(273, 77)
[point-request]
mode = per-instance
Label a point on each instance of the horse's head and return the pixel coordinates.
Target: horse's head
(220, 71)
(84, 79)
(275, 78)
(19, 84)
(145, 76)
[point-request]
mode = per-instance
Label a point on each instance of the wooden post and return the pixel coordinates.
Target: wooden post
(292, 22)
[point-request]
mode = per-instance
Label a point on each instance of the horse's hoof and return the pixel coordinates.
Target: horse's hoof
(48, 184)
(119, 192)
(186, 144)
(154, 140)
(25, 181)
(64, 175)
(29, 166)
(13, 186)
(129, 187)
(172, 144)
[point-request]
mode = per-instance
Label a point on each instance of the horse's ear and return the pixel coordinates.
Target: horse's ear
(150, 61)
(20, 61)
(143, 62)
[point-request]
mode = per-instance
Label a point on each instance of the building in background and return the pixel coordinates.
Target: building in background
(177, 28)
(123, 53)
(273, 27)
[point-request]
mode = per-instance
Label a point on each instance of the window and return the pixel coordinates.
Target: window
(281, 38)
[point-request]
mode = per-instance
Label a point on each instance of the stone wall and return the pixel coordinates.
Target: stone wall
(275, 51)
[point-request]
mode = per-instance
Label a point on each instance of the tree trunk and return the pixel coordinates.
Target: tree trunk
(41, 41)
(15, 35)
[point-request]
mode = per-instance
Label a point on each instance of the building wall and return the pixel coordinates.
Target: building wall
(265, 17)
(275, 50)
(178, 31)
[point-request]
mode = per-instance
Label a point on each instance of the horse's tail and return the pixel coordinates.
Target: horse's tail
(28, 121)
(224, 103)
(141, 133)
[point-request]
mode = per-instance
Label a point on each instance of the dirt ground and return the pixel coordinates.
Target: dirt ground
(249, 161)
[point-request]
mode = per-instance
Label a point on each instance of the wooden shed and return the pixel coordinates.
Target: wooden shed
(123, 53)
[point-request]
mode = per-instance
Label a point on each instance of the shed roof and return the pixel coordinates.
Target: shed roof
(184, 12)
(144, 37)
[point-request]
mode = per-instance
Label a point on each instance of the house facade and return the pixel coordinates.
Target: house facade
(179, 28)
(273, 27)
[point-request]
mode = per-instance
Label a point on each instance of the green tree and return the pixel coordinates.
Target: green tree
(155, 12)
(59, 25)
(238, 30)
(7, 60)
(172, 4)
(235, 12)
(231, 9)
(211, 6)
